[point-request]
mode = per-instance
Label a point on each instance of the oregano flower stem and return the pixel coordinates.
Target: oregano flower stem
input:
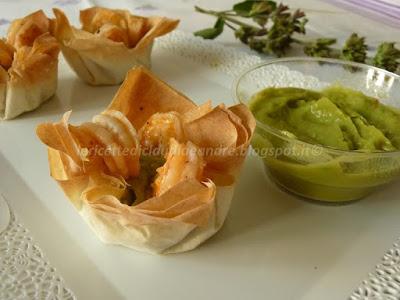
(223, 15)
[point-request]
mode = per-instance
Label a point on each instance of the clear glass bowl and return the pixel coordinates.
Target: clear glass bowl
(313, 171)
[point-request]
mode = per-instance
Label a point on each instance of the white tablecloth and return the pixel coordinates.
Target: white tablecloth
(325, 20)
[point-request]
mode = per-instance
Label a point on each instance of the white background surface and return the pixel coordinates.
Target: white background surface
(273, 245)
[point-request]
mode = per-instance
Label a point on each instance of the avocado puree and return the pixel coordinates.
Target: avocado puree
(336, 117)
(140, 188)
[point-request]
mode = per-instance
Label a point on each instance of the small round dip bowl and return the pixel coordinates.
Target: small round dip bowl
(314, 171)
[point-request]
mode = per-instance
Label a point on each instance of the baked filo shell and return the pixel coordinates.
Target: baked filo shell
(192, 190)
(28, 65)
(110, 42)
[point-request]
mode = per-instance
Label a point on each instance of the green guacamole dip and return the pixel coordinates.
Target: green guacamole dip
(338, 118)
(140, 188)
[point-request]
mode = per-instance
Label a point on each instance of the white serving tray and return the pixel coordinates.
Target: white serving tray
(273, 245)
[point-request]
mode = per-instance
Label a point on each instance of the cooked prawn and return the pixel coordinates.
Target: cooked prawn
(159, 129)
(124, 134)
(118, 140)
(183, 161)
(112, 154)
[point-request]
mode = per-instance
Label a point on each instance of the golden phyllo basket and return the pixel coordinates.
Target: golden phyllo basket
(182, 193)
(28, 65)
(110, 42)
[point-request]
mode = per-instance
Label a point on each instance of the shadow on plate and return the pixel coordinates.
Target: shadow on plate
(72, 94)
(84, 97)
(254, 203)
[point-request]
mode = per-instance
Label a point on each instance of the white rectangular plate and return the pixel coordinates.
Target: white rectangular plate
(273, 245)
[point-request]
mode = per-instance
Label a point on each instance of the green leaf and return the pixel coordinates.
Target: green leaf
(262, 7)
(251, 8)
(262, 11)
(243, 8)
(212, 33)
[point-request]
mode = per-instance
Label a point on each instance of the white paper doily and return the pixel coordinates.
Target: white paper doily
(384, 282)
(25, 273)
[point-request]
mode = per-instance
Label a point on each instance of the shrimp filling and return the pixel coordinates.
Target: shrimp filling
(177, 161)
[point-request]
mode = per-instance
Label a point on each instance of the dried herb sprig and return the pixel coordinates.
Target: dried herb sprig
(274, 28)
(387, 57)
(274, 39)
(355, 49)
(320, 48)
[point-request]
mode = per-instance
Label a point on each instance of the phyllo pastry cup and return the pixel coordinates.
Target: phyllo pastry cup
(154, 172)
(28, 65)
(110, 42)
